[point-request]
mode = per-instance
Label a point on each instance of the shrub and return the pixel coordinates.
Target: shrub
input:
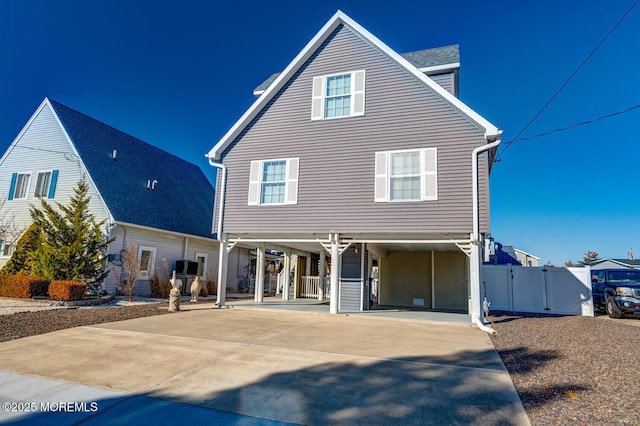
(21, 286)
(67, 290)
(159, 288)
(211, 286)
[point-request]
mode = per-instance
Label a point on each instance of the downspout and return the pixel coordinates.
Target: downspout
(222, 195)
(223, 259)
(475, 237)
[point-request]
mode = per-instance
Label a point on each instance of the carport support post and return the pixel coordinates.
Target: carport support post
(335, 273)
(321, 274)
(259, 288)
(287, 276)
(223, 261)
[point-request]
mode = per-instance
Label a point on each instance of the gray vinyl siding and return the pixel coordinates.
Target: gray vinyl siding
(447, 81)
(336, 169)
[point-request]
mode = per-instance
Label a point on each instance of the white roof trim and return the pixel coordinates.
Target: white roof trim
(525, 253)
(337, 19)
(443, 67)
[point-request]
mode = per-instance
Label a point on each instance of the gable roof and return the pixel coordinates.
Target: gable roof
(182, 198)
(340, 18)
(437, 59)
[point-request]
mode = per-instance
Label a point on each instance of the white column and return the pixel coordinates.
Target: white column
(335, 273)
(321, 274)
(287, 275)
(259, 296)
(223, 261)
(474, 282)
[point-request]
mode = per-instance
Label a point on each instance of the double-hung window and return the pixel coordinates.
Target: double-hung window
(42, 184)
(45, 185)
(147, 258)
(338, 95)
(19, 186)
(273, 182)
(407, 175)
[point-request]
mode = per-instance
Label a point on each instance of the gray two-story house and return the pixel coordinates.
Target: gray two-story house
(356, 156)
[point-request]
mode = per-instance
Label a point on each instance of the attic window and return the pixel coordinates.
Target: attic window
(338, 95)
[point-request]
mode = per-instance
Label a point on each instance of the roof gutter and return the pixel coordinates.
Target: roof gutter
(221, 189)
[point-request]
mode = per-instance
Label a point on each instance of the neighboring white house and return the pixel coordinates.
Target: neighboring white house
(145, 194)
(526, 259)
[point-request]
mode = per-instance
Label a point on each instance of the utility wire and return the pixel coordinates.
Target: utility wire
(574, 125)
(508, 144)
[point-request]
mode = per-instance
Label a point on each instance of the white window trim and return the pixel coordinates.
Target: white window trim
(152, 264)
(382, 178)
(290, 186)
(26, 192)
(357, 94)
(46, 192)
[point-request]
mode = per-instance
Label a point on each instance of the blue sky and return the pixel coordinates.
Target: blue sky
(178, 74)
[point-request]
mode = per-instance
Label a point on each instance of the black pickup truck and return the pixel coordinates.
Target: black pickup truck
(616, 291)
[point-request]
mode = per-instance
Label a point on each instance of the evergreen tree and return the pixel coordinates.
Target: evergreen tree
(71, 245)
(27, 243)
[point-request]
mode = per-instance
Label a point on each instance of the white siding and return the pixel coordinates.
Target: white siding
(43, 145)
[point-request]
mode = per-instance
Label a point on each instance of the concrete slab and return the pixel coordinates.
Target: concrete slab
(285, 366)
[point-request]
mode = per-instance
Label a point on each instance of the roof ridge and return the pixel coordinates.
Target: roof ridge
(56, 103)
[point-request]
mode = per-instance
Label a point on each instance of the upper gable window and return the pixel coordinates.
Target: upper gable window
(273, 182)
(408, 175)
(45, 185)
(338, 95)
(19, 186)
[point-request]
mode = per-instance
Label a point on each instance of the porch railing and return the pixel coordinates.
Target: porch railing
(309, 287)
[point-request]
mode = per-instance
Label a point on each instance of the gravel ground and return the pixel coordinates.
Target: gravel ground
(567, 370)
(572, 370)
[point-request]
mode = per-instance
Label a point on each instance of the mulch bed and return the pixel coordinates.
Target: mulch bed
(572, 370)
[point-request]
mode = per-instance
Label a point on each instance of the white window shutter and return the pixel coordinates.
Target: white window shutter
(358, 92)
(430, 174)
(317, 97)
(291, 188)
(381, 180)
(254, 184)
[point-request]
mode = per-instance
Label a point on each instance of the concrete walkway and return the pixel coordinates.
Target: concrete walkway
(248, 365)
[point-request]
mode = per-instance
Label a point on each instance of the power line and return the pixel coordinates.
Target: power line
(508, 144)
(613, 114)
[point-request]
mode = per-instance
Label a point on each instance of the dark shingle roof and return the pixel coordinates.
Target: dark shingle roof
(434, 57)
(183, 197)
(419, 59)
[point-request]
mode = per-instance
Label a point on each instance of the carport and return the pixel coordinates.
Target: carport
(428, 272)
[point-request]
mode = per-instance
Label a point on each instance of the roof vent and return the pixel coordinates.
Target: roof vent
(114, 154)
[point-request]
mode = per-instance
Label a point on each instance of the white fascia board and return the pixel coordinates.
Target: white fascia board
(490, 130)
(216, 152)
(338, 18)
(444, 67)
(525, 253)
(85, 171)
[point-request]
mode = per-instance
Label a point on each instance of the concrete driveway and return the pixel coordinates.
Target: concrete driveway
(258, 366)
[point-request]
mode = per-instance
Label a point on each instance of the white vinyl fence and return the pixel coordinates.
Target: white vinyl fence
(565, 291)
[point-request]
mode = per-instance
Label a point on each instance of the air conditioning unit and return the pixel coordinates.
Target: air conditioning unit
(186, 267)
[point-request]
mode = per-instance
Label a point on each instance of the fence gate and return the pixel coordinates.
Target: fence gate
(564, 291)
